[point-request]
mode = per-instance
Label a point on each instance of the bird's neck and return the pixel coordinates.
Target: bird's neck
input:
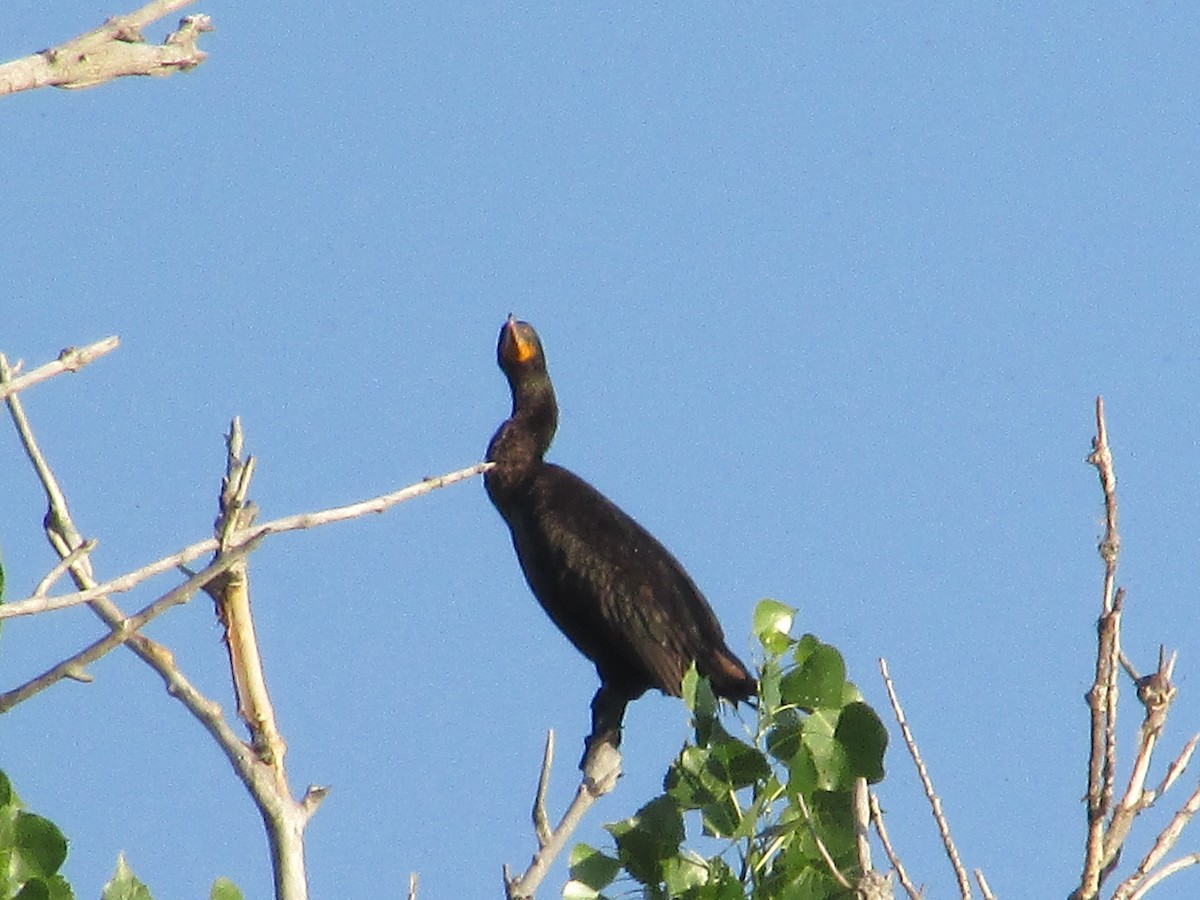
(519, 445)
(535, 412)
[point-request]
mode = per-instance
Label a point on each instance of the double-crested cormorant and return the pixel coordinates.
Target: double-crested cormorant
(620, 597)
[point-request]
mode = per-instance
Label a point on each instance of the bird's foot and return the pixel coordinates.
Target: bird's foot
(601, 766)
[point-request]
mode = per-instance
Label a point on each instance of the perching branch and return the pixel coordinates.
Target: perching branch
(113, 50)
(602, 768)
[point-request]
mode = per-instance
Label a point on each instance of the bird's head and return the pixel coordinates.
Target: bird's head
(519, 351)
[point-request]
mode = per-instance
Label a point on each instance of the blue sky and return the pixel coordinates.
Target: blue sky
(827, 293)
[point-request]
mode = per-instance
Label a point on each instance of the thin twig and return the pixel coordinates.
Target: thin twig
(862, 825)
(984, 888)
(1166, 871)
(73, 666)
(34, 604)
(1176, 768)
(541, 821)
(71, 359)
(1142, 877)
(1156, 692)
(62, 566)
(821, 848)
(960, 872)
(877, 818)
(231, 595)
(60, 529)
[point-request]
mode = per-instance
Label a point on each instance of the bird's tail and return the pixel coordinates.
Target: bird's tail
(730, 679)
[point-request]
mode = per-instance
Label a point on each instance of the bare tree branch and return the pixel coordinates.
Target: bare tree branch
(36, 603)
(1156, 693)
(231, 594)
(960, 872)
(1145, 876)
(984, 888)
(74, 666)
(877, 818)
(113, 50)
(1102, 697)
(72, 359)
(602, 768)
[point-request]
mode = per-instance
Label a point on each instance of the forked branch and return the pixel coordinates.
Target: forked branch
(113, 50)
(602, 768)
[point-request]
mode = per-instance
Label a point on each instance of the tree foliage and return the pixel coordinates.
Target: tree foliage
(766, 800)
(32, 850)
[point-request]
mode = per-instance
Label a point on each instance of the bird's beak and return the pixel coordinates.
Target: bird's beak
(524, 345)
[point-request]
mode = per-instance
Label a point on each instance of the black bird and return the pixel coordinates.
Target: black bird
(620, 597)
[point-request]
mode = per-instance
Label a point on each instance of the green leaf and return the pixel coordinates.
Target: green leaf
(39, 846)
(648, 838)
(224, 889)
(59, 889)
(592, 868)
(783, 738)
(738, 764)
(124, 885)
(684, 872)
(829, 756)
(772, 624)
(768, 688)
(7, 797)
(803, 774)
(577, 890)
(865, 739)
(819, 678)
(34, 889)
(688, 780)
(699, 697)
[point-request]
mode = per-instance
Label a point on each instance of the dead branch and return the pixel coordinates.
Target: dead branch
(877, 819)
(113, 50)
(72, 359)
(935, 803)
(1145, 876)
(75, 666)
(1102, 697)
(602, 768)
(35, 603)
(231, 595)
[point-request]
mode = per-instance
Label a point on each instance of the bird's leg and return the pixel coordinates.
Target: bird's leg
(608, 711)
